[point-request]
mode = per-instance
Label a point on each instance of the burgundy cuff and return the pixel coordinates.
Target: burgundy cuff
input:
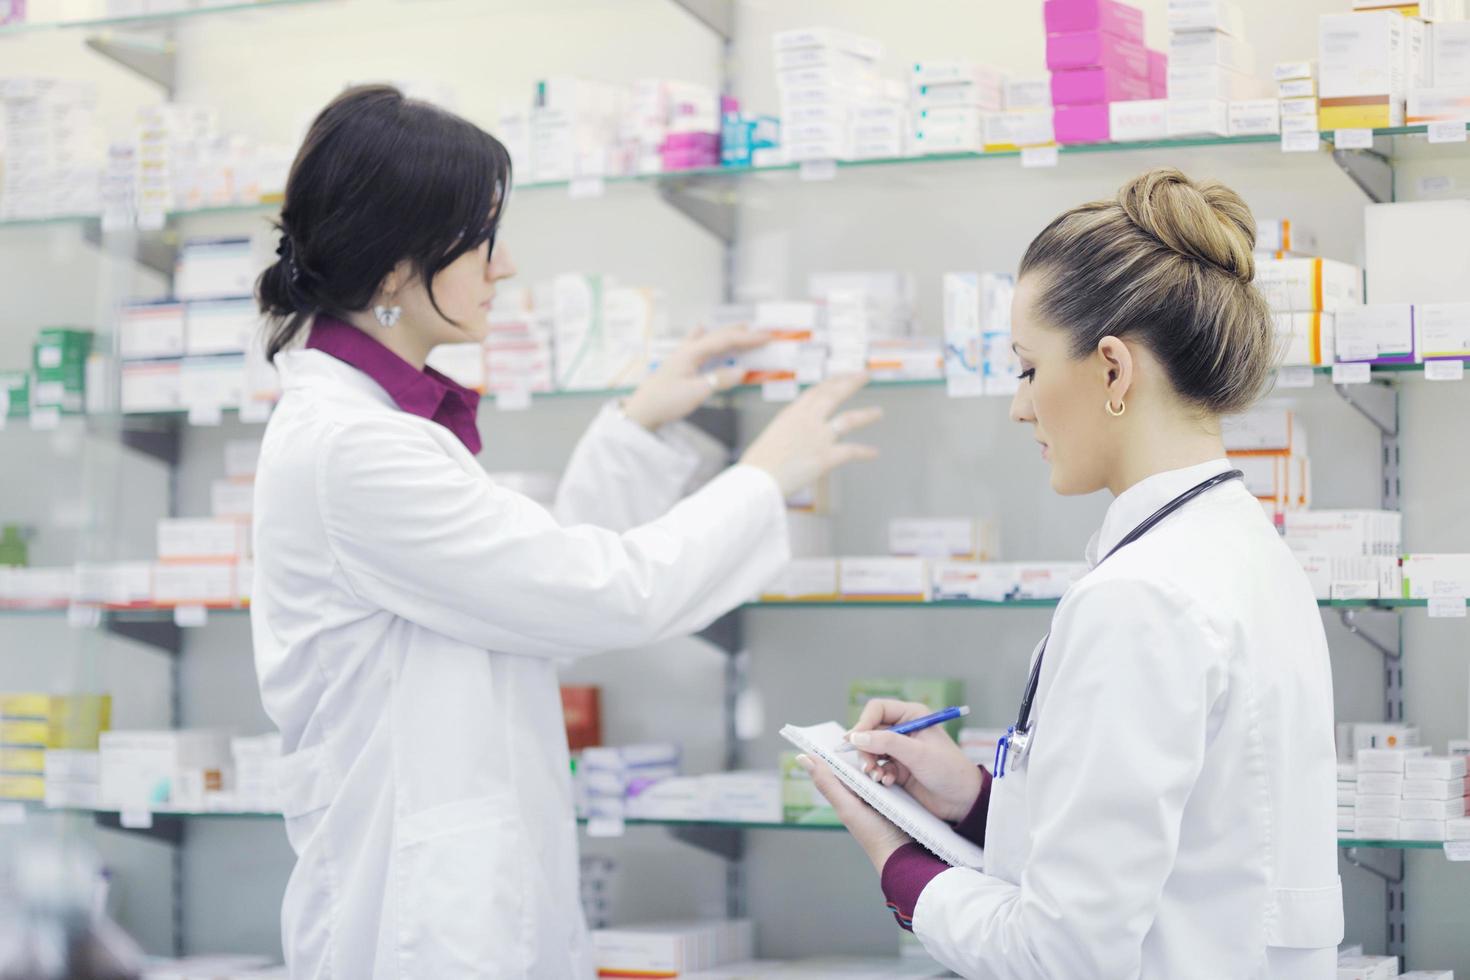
(905, 874)
(972, 827)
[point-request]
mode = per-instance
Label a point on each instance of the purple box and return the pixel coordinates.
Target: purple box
(1108, 16)
(12, 11)
(1091, 86)
(1158, 75)
(1094, 49)
(1081, 123)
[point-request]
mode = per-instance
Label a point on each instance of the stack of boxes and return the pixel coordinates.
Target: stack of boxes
(1211, 65)
(603, 332)
(518, 352)
(1418, 269)
(1027, 118)
(724, 797)
(608, 776)
(978, 359)
(1347, 554)
(951, 101)
(51, 149)
(574, 130)
(671, 949)
(834, 104)
(1435, 576)
(748, 140)
(1368, 62)
(1305, 295)
(1095, 52)
(34, 725)
(59, 370)
(1407, 794)
(868, 313)
(1447, 95)
(1296, 90)
(1002, 581)
(1269, 445)
(171, 769)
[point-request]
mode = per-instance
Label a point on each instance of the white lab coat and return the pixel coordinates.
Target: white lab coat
(408, 619)
(1176, 814)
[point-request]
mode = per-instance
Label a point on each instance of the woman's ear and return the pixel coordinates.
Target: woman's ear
(1119, 365)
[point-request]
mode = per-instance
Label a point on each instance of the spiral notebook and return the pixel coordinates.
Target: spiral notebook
(893, 802)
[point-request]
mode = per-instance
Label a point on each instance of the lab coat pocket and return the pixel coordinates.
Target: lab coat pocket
(457, 856)
(1305, 918)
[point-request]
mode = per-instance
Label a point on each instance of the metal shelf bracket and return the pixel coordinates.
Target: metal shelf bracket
(1371, 170)
(152, 57)
(1378, 628)
(717, 15)
(713, 210)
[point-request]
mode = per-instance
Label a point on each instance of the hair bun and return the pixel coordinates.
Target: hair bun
(1206, 221)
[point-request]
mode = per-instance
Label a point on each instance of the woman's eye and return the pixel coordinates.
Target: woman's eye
(1028, 375)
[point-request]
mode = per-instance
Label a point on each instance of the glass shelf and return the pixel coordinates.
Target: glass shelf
(159, 19)
(1400, 845)
(737, 173)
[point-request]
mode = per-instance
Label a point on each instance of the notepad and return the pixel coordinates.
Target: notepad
(894, 802)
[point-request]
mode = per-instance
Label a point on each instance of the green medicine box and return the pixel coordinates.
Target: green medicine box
(15, 393)
(60, 363)
(936, 693)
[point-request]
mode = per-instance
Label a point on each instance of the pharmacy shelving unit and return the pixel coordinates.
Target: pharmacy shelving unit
(711, 198)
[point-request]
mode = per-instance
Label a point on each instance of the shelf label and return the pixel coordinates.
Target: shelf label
(1457, 850)
(605, 827)
(1444, 370)
(1039, 156)
(80, 616)
(1352, 374)
(1447, 607)
(780, 391)
(45, 419)
(136, 818)
(151, 220)
(1353, 139)
(819, 170)
(1304, 142)
(190, 617)
(12, 814)
(1296, 377)
(209, 414)
(1447, 131)
(1438, 184)
(584, 187)
(517, 400)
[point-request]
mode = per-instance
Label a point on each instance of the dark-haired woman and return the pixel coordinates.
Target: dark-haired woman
(409, 614)
(1165, 805)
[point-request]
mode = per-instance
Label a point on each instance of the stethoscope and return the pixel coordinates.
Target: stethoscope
(1017, 738)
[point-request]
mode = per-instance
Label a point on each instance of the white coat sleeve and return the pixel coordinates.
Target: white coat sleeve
(416, 534)
(621, 475)
(1131, 677)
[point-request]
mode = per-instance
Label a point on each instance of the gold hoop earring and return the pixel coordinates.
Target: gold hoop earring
(1122, 407)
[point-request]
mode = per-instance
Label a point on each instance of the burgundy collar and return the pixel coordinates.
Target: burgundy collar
(427, 393)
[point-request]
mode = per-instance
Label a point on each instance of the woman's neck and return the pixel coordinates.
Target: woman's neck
(1162, 448)
(400, 338)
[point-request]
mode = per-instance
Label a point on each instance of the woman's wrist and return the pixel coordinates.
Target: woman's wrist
(963, 800)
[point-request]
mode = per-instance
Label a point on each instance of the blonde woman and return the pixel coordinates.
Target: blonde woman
(1164, 806)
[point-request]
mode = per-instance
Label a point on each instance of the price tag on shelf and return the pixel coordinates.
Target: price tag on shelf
(780, 391)
(1296, 376)
(582, 187)
(605, 827)
(1304, 142)
(1352, 374)
(12, 814)
(206, 415)
(151, 220)
(190, 617)
(136, 818)
(1438, 184)
(512, 401)
(80, 616)
(255, 411)
(1039, 156)
(1447, 607)
(819, 170)
(1444, 370)
(1353, 139)
(45, 419)
(1447, 131)
(116, 219)
(1457, 850)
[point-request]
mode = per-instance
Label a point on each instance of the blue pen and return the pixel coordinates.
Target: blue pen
(918, 724)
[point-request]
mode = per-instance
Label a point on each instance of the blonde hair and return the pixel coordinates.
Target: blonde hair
(1168, 262)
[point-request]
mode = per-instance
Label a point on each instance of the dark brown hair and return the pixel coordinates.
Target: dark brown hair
(1168, 262)
(380, 179)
